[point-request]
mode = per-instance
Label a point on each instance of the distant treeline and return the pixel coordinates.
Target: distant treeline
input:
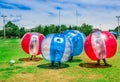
(13, 31)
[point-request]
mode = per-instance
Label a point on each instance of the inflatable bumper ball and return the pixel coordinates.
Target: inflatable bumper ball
(56, 48)
(115, 34)
(77, 39)
(31, 43)
(100, 45)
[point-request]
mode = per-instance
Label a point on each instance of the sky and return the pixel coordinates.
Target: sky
(30, 13)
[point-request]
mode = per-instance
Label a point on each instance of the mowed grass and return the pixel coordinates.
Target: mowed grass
(81, 69)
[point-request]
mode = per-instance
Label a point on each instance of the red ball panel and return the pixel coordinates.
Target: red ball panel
(111, 44)
(25, 42)
(40, 37)
(88, 48)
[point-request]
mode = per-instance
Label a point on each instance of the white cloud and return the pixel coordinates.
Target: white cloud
(93, 12)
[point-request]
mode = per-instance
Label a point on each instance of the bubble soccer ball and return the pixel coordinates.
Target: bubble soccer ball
(115, 34)
(77, 38)
(31, 43)
(100, 45)
(56, 48)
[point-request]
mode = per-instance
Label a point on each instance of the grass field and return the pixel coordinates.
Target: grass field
(82, 69)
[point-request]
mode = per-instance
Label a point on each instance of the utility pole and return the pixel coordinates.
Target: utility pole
(118, 23)
(100, 27)
(77, 18)
(3, 16)
(76, 14)
(59, 20)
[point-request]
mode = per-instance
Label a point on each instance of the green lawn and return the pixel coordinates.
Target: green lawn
(82, 69)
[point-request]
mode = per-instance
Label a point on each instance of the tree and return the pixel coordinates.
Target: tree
(12, 30)
(1, 33)
(39, 29)
(116, 29)
(22, 32)
(63, 28)
(86, 29)
(46, 30)
(74, 27)
(70, 27)
(57, 29)
(52, 28)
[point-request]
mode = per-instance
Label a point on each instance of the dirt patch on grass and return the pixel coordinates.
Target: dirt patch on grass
(29, 62)
(4, 65)
(94, 76)
(44, 76)
(22, 77)
(54, 76)
(24, 64)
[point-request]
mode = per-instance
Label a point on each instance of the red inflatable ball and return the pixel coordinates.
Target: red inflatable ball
(100, 45)
(31, 43)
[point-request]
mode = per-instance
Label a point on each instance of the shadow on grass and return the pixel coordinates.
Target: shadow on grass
(28, 59)
(75, 60)
(93, 65)
(48, 66)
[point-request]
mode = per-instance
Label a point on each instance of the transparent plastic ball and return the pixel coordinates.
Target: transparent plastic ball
(77, 39)
(100, 45)
(31, 43)
(56, 47)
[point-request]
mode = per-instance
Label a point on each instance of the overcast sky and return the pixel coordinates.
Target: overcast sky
(31, 13)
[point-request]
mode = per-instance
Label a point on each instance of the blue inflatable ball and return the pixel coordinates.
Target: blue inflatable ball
(115, 34)
(56, 47)
(77, 39)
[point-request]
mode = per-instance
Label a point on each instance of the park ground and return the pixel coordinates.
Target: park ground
(81, 69)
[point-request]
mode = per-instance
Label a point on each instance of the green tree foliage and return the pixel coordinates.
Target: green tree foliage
(22, 32)
(46, 30)
(32, 30)
(39, 29)
(52, 28)
(70, 27)
(63, 28)
(75, 27)
(79, 28)
(58, 29)
(86, 29)
(116, 29)
(12, 30)
(1, 33)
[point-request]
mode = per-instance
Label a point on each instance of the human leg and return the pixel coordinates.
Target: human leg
(59, 63)
(98, 62)
(52, 63)
(71, 58)
(105, 62)
(31, 57)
